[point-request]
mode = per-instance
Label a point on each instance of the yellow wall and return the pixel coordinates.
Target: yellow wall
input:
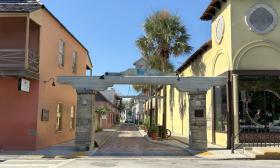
(240, 49)
(214, 62)
(247, 45)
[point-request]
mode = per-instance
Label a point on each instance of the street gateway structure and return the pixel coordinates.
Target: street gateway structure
(86, 87)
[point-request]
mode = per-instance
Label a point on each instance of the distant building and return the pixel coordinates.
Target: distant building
(108, 99)
(138, 111)
(35, 47)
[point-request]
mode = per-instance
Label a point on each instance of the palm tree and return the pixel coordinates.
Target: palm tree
(153, 60)
(165, 36)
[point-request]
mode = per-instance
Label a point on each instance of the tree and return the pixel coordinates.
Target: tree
(100, 111)
(165, 36)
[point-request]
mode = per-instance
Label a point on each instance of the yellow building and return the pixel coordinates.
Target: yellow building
(245, 48)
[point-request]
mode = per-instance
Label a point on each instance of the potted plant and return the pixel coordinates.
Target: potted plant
(153, 131)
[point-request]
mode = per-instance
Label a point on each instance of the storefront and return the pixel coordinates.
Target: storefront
(259, 108)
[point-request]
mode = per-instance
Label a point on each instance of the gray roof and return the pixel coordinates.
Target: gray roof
(19, 5)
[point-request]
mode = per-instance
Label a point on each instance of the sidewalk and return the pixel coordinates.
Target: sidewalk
(60, 151)
(214, 151)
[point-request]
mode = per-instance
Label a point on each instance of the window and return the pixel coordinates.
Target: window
(259, 103)
(61, 53)
(72, 117)
(261, 18)
(59, 111)
(220, 109)
(74, 62)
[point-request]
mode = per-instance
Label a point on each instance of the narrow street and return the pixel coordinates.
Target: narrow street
(127, 141)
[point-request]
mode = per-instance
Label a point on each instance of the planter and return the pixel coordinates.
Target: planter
(154, 135)
(145, 129)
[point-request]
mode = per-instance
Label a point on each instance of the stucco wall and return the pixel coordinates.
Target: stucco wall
(49, 96)
(252, 51)
(18, 114)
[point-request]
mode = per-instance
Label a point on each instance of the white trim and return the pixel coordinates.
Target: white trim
(220, 25)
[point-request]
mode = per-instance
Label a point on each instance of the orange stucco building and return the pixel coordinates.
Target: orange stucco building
(35, 48)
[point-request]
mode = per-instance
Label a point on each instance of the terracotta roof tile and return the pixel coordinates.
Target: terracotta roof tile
(19, 5)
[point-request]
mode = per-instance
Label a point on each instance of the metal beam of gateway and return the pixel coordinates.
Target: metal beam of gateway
(140, 97)
(183, 84)
(87, 85)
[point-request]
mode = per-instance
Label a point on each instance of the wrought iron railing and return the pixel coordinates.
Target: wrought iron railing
(14, 60)
(256, 138)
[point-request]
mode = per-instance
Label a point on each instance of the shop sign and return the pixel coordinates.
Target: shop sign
(24, 85)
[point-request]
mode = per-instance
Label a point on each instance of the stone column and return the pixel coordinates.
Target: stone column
(85, 120)
(197, 121)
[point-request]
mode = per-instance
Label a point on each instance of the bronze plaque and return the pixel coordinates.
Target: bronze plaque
(199, 113)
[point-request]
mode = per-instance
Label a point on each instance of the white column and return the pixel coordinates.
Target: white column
(235, 105)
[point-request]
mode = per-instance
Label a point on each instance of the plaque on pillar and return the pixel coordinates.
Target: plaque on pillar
(199, 113)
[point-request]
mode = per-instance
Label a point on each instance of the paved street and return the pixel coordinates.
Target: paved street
(127, 148)
(140, 163)
(129, 142)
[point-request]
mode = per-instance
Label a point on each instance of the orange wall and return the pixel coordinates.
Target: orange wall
(18, 114)
(51, 32)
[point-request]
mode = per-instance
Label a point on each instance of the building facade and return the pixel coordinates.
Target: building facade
(108, 100)
(138, 111)
(245, 48)
(35, 47)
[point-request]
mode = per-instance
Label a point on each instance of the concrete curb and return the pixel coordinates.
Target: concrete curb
(192, 152)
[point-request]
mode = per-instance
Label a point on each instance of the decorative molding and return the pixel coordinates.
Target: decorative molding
(253, 26)
(246, 48)
(220, 52)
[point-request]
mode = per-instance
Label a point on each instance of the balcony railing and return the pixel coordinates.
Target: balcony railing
(14, 63)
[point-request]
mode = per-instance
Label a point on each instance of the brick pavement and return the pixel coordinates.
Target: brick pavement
(129, 142)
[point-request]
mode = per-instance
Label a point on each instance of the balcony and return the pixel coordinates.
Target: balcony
(13, 62)
(19, 47)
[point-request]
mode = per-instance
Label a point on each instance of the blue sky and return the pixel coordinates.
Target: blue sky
(109, 28)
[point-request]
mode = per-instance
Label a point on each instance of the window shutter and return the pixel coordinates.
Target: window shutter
(74, 62)
(61, 50)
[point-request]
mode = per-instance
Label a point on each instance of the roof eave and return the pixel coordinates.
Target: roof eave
(202, 50)
(212, 9)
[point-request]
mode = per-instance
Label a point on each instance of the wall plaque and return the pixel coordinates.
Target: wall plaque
(199, 113)
(45, 115)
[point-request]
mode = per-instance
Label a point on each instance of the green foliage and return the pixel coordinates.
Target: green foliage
(102, 110)
(129, 113)
(147, 122)
(98, 130)
(153, 129)
(165, 35)
(131, 103)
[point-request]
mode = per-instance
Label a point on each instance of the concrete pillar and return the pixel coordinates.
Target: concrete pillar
(235, 106)
(198, 123)
(85, 120)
